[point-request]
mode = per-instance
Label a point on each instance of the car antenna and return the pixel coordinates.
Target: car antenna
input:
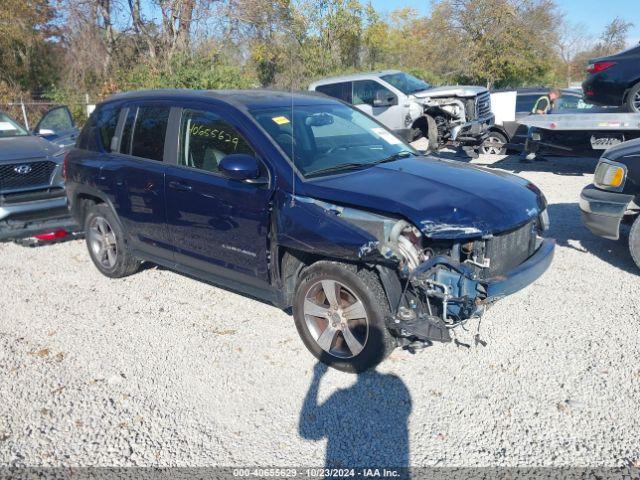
(293, 156)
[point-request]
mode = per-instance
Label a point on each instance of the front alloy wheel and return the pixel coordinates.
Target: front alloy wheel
(336, 319)
(339, 310)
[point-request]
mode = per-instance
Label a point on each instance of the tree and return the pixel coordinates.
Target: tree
(27, 57)
(573, 40)
(505, 40)
(614, 37)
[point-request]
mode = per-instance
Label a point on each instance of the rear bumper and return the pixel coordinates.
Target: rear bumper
(21, 220)
(602, 211)
(600, 89)
(525, 274)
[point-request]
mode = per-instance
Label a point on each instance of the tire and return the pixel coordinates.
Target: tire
(426, 127)
(368, 341)
(633, 99)
(634, 241)
(495, 138)
(106, 243)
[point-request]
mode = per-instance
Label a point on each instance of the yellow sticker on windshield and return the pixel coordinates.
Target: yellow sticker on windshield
(281, 120)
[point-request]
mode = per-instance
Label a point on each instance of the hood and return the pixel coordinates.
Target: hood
(457, 91)
(632, 147)
(445, 199)
(27, 147)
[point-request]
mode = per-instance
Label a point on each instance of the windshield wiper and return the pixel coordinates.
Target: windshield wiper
(341, 167)
(396, 156)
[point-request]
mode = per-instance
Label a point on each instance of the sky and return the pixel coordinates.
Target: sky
(592, 13)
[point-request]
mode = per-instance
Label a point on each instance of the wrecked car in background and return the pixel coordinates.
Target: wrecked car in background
(306, 203)
(614, 196)
(32, 196)
(413, 109)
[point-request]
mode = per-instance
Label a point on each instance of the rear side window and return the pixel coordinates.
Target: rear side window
(341, 91)
(146, 138)
(100, 129)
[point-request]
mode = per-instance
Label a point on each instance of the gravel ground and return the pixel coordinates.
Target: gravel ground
(159, 369)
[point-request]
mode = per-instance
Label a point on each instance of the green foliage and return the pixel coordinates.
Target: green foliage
(277, 43)
(75, 100)
(206, 72)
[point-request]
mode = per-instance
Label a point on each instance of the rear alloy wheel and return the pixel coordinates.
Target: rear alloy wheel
(494, 144)
(106, 244)
(102, 242)
(339, 311)
(633, 99)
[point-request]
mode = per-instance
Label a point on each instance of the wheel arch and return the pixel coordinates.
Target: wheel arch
(633, 83)
(292, 263)
(501, 130)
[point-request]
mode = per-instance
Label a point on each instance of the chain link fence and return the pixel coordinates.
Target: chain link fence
(29, 111)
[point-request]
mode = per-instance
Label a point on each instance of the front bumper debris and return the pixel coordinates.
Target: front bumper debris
(473, 132)
(602, 211)
(460, 294)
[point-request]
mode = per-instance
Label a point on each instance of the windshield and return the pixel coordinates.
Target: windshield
(329, 138)
(406, 83)
(10, 128)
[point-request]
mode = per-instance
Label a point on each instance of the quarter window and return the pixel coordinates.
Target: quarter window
(149, 132)
(206, 139)
(100, 129)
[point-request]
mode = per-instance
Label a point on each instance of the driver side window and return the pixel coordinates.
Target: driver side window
(205, 139)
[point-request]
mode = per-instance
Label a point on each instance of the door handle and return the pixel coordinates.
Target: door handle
(183, 187)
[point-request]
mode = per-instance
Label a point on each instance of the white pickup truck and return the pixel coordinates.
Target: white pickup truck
(413, 109)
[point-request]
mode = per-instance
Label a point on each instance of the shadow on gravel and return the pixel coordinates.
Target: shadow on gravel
(365, 425)
(568, 230)
(570, 166)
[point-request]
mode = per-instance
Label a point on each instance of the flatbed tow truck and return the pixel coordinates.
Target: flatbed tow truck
(585, 134)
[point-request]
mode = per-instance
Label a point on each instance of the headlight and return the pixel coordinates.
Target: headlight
(544, 220)
(610, 175)
(395, 237)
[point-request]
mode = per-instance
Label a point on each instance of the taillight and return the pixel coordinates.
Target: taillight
(599, 66)
(65, 165)
(53, 235)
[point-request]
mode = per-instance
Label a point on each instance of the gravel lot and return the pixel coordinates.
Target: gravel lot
(159, 369)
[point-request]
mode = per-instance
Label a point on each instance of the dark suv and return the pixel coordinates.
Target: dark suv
(307, 203)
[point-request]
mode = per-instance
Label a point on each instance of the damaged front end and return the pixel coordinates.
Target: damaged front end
(438, 277)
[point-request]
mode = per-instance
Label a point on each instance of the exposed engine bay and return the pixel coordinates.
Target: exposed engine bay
(460, 115)
(437, 275)
(443, 282)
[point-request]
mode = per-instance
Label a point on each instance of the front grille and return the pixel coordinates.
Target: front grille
(508, 250)
(483, 105)
(26, 175)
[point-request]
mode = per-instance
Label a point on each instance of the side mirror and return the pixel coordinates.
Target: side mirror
(240, 166)
(45, 131)
(384, 98)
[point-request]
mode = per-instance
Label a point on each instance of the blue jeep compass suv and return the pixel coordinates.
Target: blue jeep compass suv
(305, 202)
